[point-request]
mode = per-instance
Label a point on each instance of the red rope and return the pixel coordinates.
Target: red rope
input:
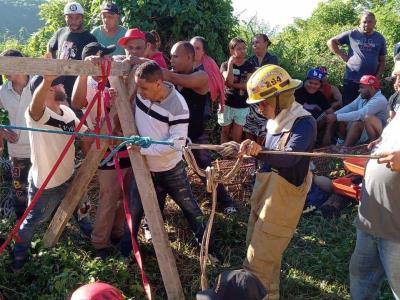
(99, 96)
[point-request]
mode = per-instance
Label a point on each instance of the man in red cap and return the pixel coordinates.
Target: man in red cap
(363, 119)
(134, 42)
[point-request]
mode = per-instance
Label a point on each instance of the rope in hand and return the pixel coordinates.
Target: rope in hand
(213, 179)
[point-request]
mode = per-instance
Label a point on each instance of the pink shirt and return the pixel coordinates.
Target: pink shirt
(159, 58)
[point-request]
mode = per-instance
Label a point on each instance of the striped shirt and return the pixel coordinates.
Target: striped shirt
(167, 120)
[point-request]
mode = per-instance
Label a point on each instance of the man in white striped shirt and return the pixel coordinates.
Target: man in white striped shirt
(162, 114)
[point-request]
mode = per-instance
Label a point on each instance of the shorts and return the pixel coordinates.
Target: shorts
(230, 115)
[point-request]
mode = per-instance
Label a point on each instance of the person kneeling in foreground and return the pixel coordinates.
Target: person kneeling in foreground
(162, 114)
(282, 184)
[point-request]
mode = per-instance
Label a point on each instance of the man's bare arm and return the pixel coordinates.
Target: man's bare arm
(381, 65)
(333, 45)
(79, 93)
(37, 106)
(197, 81)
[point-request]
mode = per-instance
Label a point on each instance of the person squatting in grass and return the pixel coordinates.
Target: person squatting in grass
(283, 182)
(162, 114)
(236, 71)
(15, 97)
(363, 119)
(110, 218)
(47, 112)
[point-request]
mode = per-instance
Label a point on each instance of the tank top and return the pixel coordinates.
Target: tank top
(196, 104)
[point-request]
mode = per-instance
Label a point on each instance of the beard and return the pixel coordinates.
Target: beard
(60, 96)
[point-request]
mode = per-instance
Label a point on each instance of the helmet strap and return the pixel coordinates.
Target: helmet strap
(277, 105)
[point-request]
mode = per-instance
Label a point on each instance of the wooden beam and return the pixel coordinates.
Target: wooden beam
(76, 190)
(165, 258)
(42, 66)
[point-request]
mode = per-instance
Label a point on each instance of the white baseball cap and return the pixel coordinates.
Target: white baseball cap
(73, 8)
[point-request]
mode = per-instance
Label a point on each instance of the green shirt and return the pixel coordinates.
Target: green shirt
(107, 40)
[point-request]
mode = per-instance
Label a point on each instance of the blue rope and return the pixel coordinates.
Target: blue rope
(142, 141)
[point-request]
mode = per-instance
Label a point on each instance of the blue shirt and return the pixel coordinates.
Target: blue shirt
(364, 52)
(293, 168)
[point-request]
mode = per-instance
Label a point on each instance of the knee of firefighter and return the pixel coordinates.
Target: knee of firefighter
(269, 240)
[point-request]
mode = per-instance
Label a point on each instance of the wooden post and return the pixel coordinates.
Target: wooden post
(30, 66)
(76, 190)
(165, 258)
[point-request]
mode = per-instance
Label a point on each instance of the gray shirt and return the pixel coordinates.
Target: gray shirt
(379, 210)
(360, 108)
(364, 52)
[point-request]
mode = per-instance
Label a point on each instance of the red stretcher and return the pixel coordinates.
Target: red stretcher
(350, 185)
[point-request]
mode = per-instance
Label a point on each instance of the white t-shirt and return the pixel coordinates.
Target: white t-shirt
(16, 105)
(47, 147)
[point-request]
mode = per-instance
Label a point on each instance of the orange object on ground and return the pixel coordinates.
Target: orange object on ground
(356, 165)
(349, 186)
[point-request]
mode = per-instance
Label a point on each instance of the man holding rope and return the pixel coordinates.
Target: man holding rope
(47, 112)
(282, 184)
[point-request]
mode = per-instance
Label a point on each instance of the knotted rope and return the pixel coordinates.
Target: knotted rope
(213, 177)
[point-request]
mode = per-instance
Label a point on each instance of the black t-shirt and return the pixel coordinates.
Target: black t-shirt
(69, 45)
(196, 104)
(314, 103)
(268, 59)
(236, 98)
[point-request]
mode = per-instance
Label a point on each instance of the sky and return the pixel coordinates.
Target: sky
(274, 12)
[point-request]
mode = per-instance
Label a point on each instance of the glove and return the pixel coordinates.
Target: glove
(230, 149)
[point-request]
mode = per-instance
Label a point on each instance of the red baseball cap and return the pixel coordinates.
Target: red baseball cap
(371, 81)
(97, 291)
(132, 34)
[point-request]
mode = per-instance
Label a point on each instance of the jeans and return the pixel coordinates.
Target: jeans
(373, 258)
(175, 183)
(203, 159)
(19, 172)
(350, 91)
(42, 212)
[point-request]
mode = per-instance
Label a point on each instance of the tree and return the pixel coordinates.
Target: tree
(174, 20)
(302, 45)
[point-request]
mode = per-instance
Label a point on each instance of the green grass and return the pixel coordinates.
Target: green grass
(315, 266)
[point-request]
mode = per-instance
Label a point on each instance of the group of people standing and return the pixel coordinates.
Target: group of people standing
(260, 106)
